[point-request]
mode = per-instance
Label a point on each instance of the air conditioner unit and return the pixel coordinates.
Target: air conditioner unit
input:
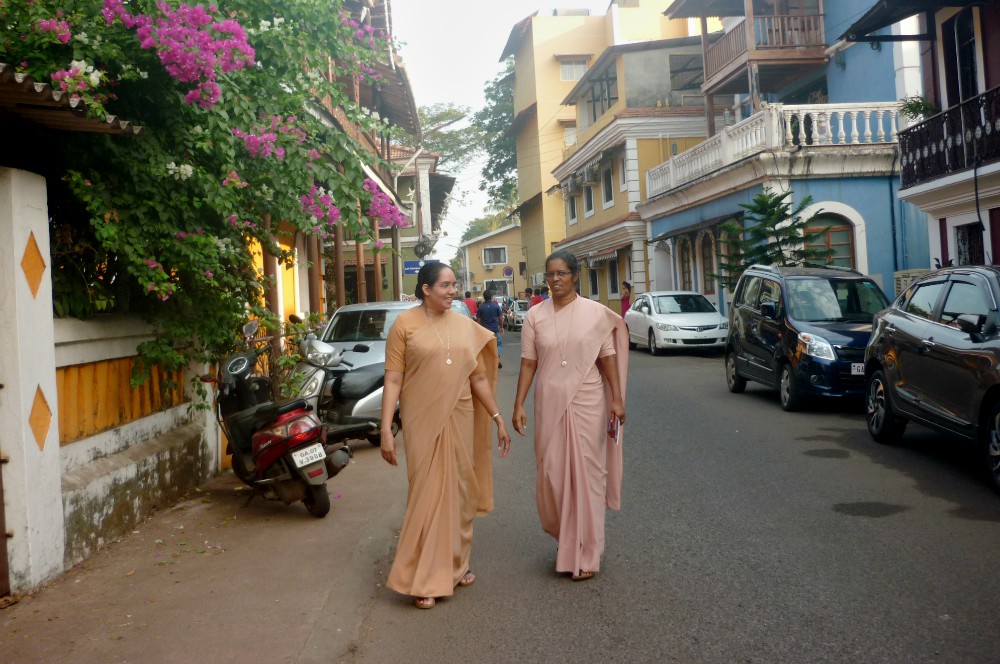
(572, 186)
(477, 288)
(489, 266)
(902, 279)
(537, 279)
(590, 175)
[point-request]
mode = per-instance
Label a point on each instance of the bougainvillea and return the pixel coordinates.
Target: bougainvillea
(383, 209)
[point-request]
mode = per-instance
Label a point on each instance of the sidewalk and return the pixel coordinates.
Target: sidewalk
(210, 580)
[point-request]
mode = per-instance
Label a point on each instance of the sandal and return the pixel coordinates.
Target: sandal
(582, 576)
(424, 602)
(467, 580)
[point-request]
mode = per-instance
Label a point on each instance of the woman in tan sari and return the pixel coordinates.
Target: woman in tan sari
(442, 367)
(579, 350)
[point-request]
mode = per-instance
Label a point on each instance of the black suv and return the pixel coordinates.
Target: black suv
(802, 330)
(934, 358)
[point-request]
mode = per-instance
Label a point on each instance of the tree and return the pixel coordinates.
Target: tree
(499, 175)
(483, 225)
(771, 234)
(458, 141)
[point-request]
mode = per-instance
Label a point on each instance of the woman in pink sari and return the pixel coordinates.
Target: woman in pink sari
(579, 350)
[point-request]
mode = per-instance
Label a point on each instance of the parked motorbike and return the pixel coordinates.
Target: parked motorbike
(344, 396)
(281, 450)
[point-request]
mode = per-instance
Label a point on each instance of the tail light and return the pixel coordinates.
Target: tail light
(299, 425)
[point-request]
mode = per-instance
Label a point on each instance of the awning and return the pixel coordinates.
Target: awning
(607, 255)
(520, 120)
(886, 12)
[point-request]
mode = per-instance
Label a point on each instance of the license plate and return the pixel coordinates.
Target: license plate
(308, 455)
(857, 368)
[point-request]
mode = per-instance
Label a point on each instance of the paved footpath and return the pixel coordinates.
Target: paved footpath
(209, 580)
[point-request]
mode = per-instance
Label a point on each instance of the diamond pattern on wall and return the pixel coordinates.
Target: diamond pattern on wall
(33, 265)
(40, 419)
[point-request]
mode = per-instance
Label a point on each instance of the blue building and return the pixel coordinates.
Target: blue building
(814, 115)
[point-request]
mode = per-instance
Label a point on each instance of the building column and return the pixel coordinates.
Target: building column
(29, 423)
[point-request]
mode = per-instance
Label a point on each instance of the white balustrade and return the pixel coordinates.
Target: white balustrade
(779, 127)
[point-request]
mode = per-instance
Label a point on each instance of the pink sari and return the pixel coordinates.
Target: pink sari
(579, 467)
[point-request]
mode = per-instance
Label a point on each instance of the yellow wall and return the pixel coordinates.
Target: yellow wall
(653, 152)
(511, 239)
(644, 23)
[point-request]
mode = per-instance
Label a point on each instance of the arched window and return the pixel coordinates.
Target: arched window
(838, 239)
(707, 265)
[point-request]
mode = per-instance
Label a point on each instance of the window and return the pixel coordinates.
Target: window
(613, 278)
(686, 76)
(958, 41)
(969, 239)
(837, 241)
(588, 201)
(571, 209)
(601, 96)
(494, 255)
(707, 266)
(770, 293)
(595, 291)
(924, 299)
(622, 174)
(748, 297)
(569, 135)
(964, 299)
(607, 181)
(499, 288)
(572, 70)
(687, 277)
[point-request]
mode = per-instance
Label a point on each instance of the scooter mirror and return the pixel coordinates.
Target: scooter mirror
(251, 328)
(360, 348)
(294, 319)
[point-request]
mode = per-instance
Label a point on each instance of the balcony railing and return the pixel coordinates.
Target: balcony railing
(770, 32)
(780, 127)
(956, 140)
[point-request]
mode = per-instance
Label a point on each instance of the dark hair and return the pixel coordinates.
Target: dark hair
(627, 285)
(488, 295)
(528, 291)
(545, 289)
(566, 257)
(428, 275)
(468, 294)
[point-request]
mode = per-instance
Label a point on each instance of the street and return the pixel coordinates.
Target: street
(746, 534)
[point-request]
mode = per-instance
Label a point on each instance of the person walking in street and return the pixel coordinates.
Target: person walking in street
(470, 302)
(626, 297)
(579, 350)
(545, 292)
(491, 317)
(441, 366)
(536, 298)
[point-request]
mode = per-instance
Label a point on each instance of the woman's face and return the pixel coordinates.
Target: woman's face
(560, 280)
(439, 296)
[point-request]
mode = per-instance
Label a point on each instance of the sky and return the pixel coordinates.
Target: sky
(451, 48)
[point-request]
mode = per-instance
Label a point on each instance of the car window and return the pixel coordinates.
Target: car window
(814, 299)
(682, 304)
(770, 292)
(361, 325)
(638, 304)
(964, 298)
(748, 298)
(924, 299)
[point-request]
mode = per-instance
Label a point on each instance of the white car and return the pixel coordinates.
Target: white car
(675, 319)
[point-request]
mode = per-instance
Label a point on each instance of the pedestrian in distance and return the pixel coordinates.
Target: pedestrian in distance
(491, 317)
(442, 368)
(471, 303)
(536, 298)
(578, 351)
(527, 296)
(626, 297)
(545, 292)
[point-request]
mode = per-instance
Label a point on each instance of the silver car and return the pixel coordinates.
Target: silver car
(673, 320)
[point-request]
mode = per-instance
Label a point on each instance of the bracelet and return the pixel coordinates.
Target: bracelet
(495, 415)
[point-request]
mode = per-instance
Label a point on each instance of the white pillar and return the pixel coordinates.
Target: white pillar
(29, 424)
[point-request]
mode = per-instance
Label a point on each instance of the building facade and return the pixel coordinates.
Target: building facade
(493, 262)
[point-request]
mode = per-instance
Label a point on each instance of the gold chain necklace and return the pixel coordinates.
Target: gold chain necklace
(447, 332)
(562, 352)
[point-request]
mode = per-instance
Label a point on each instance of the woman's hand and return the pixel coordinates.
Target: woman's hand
(519, 419)
(617, 411)
(388, 446)
(503, 438)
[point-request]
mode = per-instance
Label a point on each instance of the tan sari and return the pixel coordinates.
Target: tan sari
(579, 467)
(448, 445)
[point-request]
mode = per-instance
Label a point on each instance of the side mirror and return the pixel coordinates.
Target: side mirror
(972, 325)
(769, 310)
(294, 319)
(361, 348)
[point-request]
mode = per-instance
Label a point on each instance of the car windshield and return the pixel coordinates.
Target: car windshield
(682, 304)
(361, 325)
(834, 300)
(520, 305)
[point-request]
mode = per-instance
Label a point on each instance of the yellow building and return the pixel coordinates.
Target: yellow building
(551, 54)
(493, 262)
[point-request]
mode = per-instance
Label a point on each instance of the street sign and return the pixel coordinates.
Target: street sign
(508, 271)
(412, 267)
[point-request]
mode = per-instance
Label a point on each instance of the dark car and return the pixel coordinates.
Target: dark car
(934, 358)
(802, 330)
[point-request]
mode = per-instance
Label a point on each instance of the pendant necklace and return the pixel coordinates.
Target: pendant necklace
(447, 332)
(559, 347)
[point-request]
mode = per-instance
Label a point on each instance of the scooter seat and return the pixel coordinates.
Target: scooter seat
(361, 381)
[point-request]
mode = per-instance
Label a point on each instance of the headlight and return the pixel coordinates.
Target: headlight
(666, 327)
(312, 387)
(818, 347)
(318, 358)
(724, 326)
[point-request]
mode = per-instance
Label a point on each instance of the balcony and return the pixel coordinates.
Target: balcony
(961, 138)
(782, 46)
(780, 127)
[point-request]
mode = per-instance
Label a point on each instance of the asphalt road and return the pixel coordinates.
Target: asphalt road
(747, 535)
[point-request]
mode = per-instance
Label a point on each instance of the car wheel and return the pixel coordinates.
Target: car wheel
(788, 389)
(653, 350)
(884, 426)
(991, 450)
(734, 380)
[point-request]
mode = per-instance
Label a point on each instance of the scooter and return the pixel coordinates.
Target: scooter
(279, 449)
(344, 397)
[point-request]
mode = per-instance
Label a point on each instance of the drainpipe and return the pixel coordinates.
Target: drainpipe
(892, 210)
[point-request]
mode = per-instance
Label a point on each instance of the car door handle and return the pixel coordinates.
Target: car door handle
(927, 345)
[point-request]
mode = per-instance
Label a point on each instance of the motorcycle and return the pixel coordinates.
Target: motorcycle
(344, 396)
(280, 450)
